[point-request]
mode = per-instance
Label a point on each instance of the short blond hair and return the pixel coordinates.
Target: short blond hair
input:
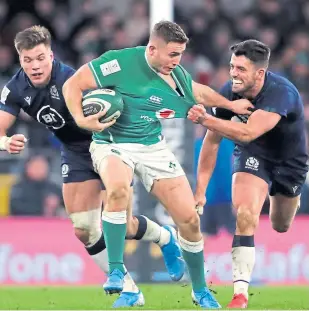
(31, 37)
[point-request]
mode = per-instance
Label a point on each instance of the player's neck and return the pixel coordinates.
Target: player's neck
(254, 91)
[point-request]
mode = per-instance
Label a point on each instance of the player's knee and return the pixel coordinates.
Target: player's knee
(280, 227)
(87, 227)
(118, 196)
(190, 223)
(247, 219)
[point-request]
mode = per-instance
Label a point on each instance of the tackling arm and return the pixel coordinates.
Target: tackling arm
(15, 143)
(207, 97)
(259, 123)
(207, 160)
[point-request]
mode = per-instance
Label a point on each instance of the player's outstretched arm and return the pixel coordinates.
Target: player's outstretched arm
(15, 143)
(73, 89)
(207, 97)
(259, 123)
(206, 164)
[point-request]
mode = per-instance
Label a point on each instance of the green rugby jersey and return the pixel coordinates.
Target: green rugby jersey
(147, 97)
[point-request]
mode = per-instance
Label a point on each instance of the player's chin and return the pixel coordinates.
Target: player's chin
(39, 81)
(237, 88)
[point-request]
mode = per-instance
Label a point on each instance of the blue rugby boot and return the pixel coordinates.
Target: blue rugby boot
(172, 256)
(114, 283)
(205, 299)
(129, 299)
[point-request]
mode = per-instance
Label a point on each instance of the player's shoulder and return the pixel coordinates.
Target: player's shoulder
(126, 52)
(226, 90)
(16, 85)
(61, 71)
(279, 84)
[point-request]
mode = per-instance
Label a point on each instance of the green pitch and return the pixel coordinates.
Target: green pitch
(158, 297)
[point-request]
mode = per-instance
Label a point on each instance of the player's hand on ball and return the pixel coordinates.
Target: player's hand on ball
(242, 106)
(15, 144)
(92, 123)
(197, 114)
(200, 201)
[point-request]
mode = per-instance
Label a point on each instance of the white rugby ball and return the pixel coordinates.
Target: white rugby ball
(100, 99)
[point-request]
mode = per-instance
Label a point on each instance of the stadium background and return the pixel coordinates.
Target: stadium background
(37, 246)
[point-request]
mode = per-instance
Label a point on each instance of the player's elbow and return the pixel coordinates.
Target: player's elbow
(66, 87)
(246, 136)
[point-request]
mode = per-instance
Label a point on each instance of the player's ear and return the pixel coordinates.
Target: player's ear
(51, 55)
(151, 49)
(261, 73)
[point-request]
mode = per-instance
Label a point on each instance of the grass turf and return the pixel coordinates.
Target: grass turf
(158, 297)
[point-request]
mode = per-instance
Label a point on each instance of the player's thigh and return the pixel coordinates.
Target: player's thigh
(81, 185)
(282, 211)
(251, 176)
(82, 196)
(248, 193)
(285, 191)
(114, 167)
(176, 196)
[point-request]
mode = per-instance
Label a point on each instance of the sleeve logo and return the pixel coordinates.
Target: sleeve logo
(4, 94)
(110, 67)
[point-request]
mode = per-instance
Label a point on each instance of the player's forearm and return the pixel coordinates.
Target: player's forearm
(235, 131)
(73, 98)
(206, 164)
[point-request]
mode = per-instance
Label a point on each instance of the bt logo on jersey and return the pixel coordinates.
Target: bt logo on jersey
(50, 117)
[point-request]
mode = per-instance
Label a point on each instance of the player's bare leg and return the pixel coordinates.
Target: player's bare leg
(117, 177)
(248, 196)
(177, 197)
(282, 211)
(83, 201)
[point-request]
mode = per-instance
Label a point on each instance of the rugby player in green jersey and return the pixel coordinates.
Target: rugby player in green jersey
(153, 86)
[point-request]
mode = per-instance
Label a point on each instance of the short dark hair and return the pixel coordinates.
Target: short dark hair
(256, 51)
(31, 37)
(169, 32)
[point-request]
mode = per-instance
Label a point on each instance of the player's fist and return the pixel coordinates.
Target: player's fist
(15, 144)
(197, 114)
(92, 123)
(242, 106)
(200, 201)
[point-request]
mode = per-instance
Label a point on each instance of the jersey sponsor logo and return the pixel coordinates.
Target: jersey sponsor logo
(4, 94)
(50, 117)
(54, 92)
(165, 113)
(116, 151)
(148, 119)
(155, 99)
(28, 100)
(252, 164)
(65, 170)
(110, 67)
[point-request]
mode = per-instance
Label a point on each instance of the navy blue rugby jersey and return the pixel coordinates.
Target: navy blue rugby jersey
(46, 104)
(287, 139)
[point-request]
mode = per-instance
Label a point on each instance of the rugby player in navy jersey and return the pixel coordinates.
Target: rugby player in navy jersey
(270, 155)
(37, 89)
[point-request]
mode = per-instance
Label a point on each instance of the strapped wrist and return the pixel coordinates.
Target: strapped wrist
(3, 141)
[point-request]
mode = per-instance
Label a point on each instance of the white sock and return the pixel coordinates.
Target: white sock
(101, 260)
(156, 233)
(243, 259)
(129, 284)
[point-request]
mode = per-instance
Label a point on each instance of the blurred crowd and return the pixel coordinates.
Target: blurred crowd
(84, 29)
